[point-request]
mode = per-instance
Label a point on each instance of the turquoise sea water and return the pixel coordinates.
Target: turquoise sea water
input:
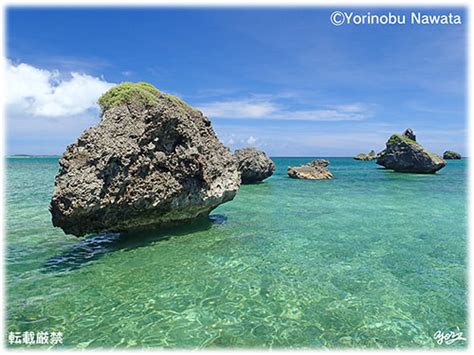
(370, 259)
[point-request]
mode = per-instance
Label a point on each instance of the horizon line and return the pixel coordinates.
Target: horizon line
(271, 156)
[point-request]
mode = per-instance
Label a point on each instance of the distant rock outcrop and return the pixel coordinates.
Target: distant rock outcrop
(449, 154)
(403, 154)
(254, 165)
(371, 156)
(314, 170)
(152, 160)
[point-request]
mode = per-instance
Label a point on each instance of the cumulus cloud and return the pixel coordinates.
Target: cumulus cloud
(39, 92)
(269, 109)
(239, 108)
(251, 140)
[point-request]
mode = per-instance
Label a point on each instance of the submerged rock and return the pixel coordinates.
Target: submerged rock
(449, 154)
(314, 170)
(254, 165)
(152, 160)
(403, 154)
(371, 156)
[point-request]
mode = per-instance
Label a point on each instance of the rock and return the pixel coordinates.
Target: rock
(152, 160)
(410, 134)
(254, 165)
(449, 154)
(371, 156)
(403, 154)
(361, 156)
(380, 154)
(314, 170)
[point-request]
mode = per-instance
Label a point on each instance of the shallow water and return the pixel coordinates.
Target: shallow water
(370, 259)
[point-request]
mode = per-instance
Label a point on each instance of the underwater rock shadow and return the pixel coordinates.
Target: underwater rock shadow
(95, 246)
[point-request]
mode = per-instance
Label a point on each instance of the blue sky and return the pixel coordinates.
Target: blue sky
(284, 80)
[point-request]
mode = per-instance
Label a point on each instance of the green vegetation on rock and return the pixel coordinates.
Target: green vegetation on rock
(397, 138)
(178, 101)
(126, 93)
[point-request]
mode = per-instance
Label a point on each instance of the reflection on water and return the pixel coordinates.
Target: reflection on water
(93, 247)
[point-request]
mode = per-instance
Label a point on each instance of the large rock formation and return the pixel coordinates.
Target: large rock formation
(314, 170)
(254, 165)
(152, 160)
(371, 156)
(449, 154)
(403, 154)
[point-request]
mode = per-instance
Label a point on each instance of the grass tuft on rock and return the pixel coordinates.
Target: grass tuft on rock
(126, 93)
(178, 101)
(397, 138)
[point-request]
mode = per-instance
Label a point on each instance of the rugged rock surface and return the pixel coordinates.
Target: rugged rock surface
(371, 156)
(314, 170)
(403, 154)
(254, 165)
(151, 161)
(449, 154)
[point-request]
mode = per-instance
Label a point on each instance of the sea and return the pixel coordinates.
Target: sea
(369, 259)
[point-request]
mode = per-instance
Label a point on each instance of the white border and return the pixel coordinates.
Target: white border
(241, 3)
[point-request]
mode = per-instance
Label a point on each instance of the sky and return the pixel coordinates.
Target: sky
(284, 80)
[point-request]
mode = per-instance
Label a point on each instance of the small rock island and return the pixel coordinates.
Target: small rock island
(451, 155)
(370, 156)
(314, 170)
(404, 154)
(152, 160)
(254, 165)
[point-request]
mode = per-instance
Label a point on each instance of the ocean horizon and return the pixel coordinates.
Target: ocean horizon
(271, 156)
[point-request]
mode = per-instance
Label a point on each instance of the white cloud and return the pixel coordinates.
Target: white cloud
(251, 141)
(39, 92)
(254, 108)
(239, 109)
